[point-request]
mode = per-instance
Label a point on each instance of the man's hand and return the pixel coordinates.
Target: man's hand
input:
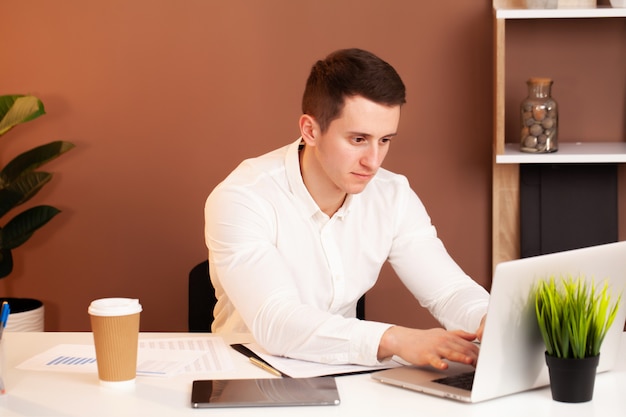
(428, 347)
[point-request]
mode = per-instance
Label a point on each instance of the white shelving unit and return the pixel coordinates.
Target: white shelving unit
(506, 156)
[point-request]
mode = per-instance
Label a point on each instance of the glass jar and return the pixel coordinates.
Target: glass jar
(539, 118)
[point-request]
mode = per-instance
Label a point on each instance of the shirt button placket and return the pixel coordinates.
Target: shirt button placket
(335, 264)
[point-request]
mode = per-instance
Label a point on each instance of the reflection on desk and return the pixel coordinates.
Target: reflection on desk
(31, 393)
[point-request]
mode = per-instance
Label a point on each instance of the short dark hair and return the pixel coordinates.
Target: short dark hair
(348, 73)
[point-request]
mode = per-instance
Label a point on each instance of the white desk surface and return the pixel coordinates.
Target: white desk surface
(33, 393)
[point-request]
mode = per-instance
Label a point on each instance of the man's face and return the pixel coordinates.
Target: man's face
(354, 146)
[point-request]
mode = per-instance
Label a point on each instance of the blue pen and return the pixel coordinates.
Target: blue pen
(4, 314)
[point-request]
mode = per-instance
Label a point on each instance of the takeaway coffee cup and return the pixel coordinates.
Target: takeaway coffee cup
(115, 327)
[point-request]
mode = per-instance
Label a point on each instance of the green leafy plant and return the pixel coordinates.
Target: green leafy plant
(20, 180)
(573, 315)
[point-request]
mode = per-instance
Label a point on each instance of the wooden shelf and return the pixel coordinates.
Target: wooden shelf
(568, 153)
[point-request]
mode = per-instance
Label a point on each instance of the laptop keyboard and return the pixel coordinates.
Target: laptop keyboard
(463, 381)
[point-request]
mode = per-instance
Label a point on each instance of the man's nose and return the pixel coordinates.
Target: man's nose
(371, 156)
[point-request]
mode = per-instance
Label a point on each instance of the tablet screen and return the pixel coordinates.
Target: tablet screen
(270, 392)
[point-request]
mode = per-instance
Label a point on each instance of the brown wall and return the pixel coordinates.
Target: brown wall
(163, 98)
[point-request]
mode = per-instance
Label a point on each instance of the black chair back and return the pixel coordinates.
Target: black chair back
(201, 299)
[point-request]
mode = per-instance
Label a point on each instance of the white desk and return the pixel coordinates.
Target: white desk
(32, 393)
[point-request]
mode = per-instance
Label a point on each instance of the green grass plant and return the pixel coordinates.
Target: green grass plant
(574, 315)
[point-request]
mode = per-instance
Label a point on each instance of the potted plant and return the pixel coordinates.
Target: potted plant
(574, 316)
(19, 182)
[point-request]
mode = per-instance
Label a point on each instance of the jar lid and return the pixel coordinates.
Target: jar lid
(540, 80)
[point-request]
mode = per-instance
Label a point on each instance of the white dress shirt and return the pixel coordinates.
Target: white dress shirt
(291, 275)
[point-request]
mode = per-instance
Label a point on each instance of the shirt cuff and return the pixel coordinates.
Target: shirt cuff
(365, 342)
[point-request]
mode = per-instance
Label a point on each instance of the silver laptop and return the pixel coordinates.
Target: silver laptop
(511, 355)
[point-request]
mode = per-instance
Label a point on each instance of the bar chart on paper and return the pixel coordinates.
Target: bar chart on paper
(64, 358)
(71, 361)
(156, 357)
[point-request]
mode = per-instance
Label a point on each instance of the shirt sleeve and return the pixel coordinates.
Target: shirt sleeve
(425, 267)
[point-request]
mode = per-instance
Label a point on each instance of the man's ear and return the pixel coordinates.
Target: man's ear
(309, 129)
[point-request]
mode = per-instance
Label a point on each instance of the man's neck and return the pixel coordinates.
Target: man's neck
(325, 194)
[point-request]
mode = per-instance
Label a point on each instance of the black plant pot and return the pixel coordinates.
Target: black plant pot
(572, 380)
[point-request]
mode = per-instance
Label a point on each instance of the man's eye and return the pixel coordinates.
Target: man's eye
(359, 139)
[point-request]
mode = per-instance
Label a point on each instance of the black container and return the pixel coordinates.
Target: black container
(572, 380)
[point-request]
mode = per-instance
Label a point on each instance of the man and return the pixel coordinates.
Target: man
(297, 236)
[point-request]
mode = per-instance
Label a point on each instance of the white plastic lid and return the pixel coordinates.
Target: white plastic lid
(114, 307)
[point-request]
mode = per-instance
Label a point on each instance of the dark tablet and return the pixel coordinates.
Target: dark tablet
(270, 392)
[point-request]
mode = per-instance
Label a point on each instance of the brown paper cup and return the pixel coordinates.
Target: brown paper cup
(116, 338)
